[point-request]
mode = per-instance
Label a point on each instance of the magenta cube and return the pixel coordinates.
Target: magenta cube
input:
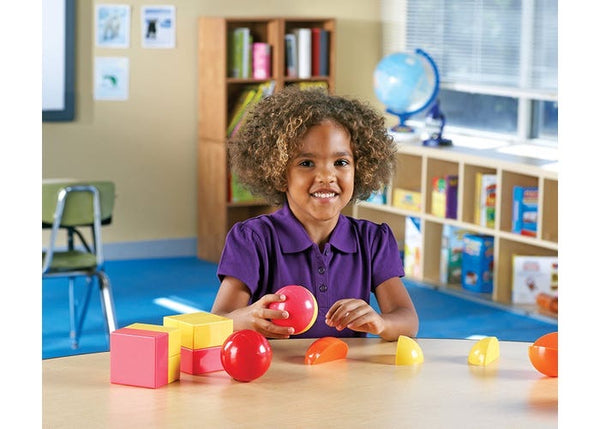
(139, 357)
(200, 361)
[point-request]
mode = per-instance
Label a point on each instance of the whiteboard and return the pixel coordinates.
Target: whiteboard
(58, 25)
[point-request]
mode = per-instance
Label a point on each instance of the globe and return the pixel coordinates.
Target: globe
(406, 83)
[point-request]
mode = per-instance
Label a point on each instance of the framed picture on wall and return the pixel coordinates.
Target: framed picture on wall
(112, 25)
(158, 26)
(58, 60)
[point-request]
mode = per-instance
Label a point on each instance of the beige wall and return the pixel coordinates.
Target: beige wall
(147, 144)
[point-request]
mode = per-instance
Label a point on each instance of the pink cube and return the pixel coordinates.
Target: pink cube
(200, 361)
(139, 357)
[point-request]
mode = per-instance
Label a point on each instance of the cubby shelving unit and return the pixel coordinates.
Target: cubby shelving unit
(217, 94)
(416, 165)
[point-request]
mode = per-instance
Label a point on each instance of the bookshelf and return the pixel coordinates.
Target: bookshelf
(417, 165)
(218, 92)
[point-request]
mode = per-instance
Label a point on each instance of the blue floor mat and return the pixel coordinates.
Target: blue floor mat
(189, 283)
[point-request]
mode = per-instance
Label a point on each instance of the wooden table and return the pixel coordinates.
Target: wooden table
(365, 390)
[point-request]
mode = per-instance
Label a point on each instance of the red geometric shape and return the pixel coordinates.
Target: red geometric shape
(201, 361)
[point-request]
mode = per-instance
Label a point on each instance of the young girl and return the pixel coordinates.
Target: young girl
(313, 153)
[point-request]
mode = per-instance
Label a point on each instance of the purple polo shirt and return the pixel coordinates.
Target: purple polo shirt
(268, 252)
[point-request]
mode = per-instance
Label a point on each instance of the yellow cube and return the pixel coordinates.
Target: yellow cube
(174, 346)
(201, 330)
(173, 331)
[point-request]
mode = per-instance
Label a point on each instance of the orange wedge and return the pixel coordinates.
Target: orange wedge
(543, 354)
(324, 350)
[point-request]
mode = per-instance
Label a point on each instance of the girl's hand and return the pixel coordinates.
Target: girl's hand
(355, 314)
(258, 317)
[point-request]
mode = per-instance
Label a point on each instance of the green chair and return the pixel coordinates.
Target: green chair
(73, 207)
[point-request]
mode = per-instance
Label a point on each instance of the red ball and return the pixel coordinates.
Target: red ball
(300, 304)
(246, 355)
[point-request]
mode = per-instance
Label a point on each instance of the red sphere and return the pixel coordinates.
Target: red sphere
(246, 355)
(301, 306)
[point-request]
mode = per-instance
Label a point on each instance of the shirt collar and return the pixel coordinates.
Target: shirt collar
(294, 238)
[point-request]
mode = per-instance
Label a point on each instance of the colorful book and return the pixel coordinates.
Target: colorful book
(255, 94)
(241, 52)
(451, 254)
(525, 210)
(533, 275)
(316, 50)
(324, 53)
(303, 37)
(478, 263)
(241, 104)
(261, 60)
(485, 199)
(444, 196)
(291, 55)
(413, 247)
(406, 200)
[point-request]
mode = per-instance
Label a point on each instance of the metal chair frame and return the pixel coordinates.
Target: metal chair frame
(77, 314)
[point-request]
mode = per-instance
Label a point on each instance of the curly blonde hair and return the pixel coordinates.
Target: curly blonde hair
(272, 135)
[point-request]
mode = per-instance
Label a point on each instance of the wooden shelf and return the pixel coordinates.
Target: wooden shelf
(416, 166)
(217, 93)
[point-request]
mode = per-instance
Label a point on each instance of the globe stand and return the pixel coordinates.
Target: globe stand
(401, 128)
(434, 127)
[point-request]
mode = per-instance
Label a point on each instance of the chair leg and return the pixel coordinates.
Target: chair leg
(108, 304)
(73, 314)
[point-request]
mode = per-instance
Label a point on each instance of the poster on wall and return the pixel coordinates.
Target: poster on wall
(111, 78)
(112, 23)
(158, 26)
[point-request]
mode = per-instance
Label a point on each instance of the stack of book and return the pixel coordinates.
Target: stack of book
(444, 196)
(247, 98)
(248, 59)
(307, 53)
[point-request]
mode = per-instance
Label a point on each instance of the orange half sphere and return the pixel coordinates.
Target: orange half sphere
(543, 354)
(324, 350)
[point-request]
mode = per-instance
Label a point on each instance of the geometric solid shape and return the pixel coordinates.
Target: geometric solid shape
(139, 357)
(543, 354)
(408, 351)
(174, 335)
(201, 361)
(174, 369)
(200, 330)
(324, 350)
(301, 306)
(484, 352)
(246, 355)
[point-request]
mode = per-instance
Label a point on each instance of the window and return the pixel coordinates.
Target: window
(497, 61)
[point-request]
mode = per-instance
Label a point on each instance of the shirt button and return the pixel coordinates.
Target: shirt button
(321, 270)
(323, 288)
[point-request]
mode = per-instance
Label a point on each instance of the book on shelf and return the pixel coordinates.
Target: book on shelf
(444, 196)
(241, 51)
(320, 52)
(533, 275)
(378, 197)
(238, 192)
(485, 199)
(478, 263)
(451, 254)
(413, 247)
(261, 60)
(303, 40)
(406, 200)
(291, 55)
(247, 98)
(525, 210)
(313, 84)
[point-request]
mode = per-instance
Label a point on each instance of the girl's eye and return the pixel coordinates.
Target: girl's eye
(342, 162)
(306, 163)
